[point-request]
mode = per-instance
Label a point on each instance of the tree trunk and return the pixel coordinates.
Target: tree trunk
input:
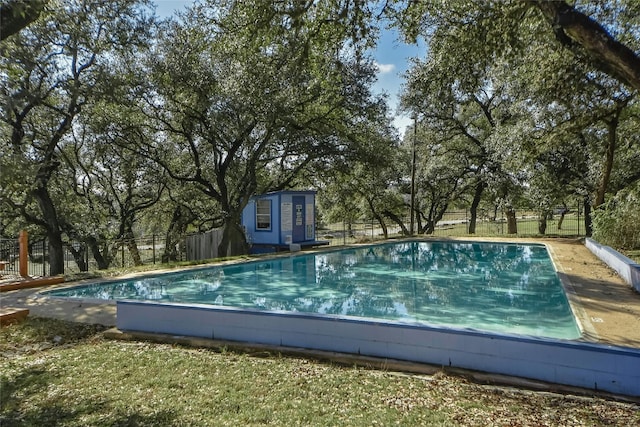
(429, 227)
(56, 253)
(234, 241)
(435, 215)
(78, 256)
(418, 219)
(588, 227)
(512, 224)
(350, 229)
(393, 217)
(177, 228)
(480, 186)
(380, 220)
(612, 128)
(54, 235)
(132, 246)
(542, 222)
(561, 220)
(127, 237)
(102, 260)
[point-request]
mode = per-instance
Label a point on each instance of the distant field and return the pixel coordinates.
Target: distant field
(453, 225)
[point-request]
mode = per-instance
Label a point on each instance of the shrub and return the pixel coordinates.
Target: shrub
(617, 222)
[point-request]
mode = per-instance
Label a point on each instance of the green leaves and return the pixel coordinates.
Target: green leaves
(617, 223)
(51, 71)
(499, 88)
(281, 88)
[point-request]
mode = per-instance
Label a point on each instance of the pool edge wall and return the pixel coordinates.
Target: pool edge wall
(626, 268)
(592, 366)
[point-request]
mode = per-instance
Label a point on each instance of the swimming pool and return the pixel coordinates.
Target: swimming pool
(415, 274)
(496, 287)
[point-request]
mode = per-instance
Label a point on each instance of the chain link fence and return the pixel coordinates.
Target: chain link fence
(560, 222)
(148, 250)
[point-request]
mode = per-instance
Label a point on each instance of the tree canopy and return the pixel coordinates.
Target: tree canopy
(115, 122)
(544, 76)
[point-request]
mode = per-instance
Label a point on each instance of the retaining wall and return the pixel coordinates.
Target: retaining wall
(627, 268)
(573, 363)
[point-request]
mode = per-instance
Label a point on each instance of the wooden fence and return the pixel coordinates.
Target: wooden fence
(203, 245)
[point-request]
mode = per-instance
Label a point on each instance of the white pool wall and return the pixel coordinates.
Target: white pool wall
(627, 268)
(573, 363)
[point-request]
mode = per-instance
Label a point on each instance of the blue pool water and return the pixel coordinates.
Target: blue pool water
(507, 288)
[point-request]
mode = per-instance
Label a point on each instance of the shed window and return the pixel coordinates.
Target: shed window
(263, 214)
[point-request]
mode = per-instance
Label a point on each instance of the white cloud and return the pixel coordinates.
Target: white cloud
(402, 123)
(385, 68)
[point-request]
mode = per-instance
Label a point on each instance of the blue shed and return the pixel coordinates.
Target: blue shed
(274, 221)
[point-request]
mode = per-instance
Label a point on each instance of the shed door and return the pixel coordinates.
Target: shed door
(298, 219)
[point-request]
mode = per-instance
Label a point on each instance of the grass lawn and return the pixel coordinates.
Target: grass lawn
(66, 374)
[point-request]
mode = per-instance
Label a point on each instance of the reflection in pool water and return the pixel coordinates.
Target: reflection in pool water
(511, 288)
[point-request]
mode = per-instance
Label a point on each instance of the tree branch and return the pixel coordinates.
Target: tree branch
(17, 14)
(573, 28)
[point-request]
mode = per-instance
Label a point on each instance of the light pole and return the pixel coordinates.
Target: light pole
(413, 173)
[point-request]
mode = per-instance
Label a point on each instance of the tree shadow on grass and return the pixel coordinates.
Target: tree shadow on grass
(15, 394)
(17, 406)
(30, 382)
(60, 414)
(38, 333)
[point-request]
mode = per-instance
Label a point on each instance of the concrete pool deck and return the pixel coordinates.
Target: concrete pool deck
(607, 307)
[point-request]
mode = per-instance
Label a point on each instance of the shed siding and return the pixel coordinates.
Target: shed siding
(281, 232)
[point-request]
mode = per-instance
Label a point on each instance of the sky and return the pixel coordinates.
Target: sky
(391, 57)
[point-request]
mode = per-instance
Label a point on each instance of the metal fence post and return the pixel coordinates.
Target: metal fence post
(44, 259)
(466, 220)
(153, 248)
(578, 218)
(344, 233)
